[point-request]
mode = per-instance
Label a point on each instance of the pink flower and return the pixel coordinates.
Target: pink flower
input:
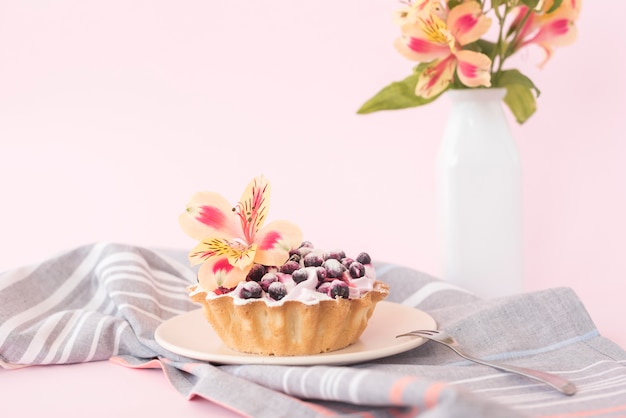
(232, 239)
(431, 33)
(548, 29)
(446, 38)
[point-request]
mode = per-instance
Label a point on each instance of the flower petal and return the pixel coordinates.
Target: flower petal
(559, 32)
(218, 272)
(435, 30)
(549, 52)
(529, 23)
(425, 35)
(435, 78)
(238, 253)
(420, 49)
(467, 22)
(401, 16)
(253, 206)
(275, 241)
(473, 69)
(573, 8)
(416, 10)
(549, 29)
(209, 214)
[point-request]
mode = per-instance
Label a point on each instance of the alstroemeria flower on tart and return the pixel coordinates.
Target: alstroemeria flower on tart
(446, 39)
(232, 239)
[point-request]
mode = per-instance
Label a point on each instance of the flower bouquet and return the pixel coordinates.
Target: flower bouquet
(446, 39)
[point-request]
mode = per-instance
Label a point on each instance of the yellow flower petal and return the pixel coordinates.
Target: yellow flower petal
(238, 253)
(435, 30)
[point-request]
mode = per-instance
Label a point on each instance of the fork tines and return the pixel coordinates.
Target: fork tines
(419, 332)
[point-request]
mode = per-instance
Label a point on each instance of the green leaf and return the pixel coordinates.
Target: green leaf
(521, 102)
(483, 46)
(453, 3)
(520, 94)
(556, 5)
(397, 95)
(508, 77)
(531, 4)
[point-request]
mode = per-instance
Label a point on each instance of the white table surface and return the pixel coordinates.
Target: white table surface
(97, 389)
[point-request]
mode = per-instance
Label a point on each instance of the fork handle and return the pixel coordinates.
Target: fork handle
(562, 385)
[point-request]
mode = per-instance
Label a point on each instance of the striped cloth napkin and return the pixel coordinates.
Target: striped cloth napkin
(104, 301)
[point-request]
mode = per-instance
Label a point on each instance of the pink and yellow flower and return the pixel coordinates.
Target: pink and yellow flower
(233, 239)
(446, 38)
(548, 30)
(434, 34)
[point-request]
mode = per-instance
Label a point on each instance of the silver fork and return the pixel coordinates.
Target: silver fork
(562, 385)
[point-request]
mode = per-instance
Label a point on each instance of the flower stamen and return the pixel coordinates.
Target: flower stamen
(434, 28)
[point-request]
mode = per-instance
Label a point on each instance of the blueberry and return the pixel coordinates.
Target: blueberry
(339, 289)
(321, 273)
(357, 270)
(325, 288)
(300, 275)
(312, 260)
(251, 290)
(306, 244)
(335, 254)
(304, 251)
(289, 267)
(334, 268)
(267, 280)
(364, 258)
(346, 261)
(277, 290)
(256, 272)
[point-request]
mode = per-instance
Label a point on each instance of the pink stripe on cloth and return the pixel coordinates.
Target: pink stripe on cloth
(431, 397)
(397, 390)
(151, 364)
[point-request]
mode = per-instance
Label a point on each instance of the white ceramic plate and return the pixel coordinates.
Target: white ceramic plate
(190, 335)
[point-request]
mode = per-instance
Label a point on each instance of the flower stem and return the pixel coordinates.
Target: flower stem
(517, 32)
(498, 53)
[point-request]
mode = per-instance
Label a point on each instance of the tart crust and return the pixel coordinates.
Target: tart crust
(291, 328)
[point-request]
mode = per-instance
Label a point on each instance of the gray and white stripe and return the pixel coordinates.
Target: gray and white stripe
(92, 304)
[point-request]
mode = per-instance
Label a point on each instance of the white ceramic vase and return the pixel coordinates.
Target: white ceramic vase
(480, 196)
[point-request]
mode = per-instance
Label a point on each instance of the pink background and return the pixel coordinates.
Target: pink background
(113, 113)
